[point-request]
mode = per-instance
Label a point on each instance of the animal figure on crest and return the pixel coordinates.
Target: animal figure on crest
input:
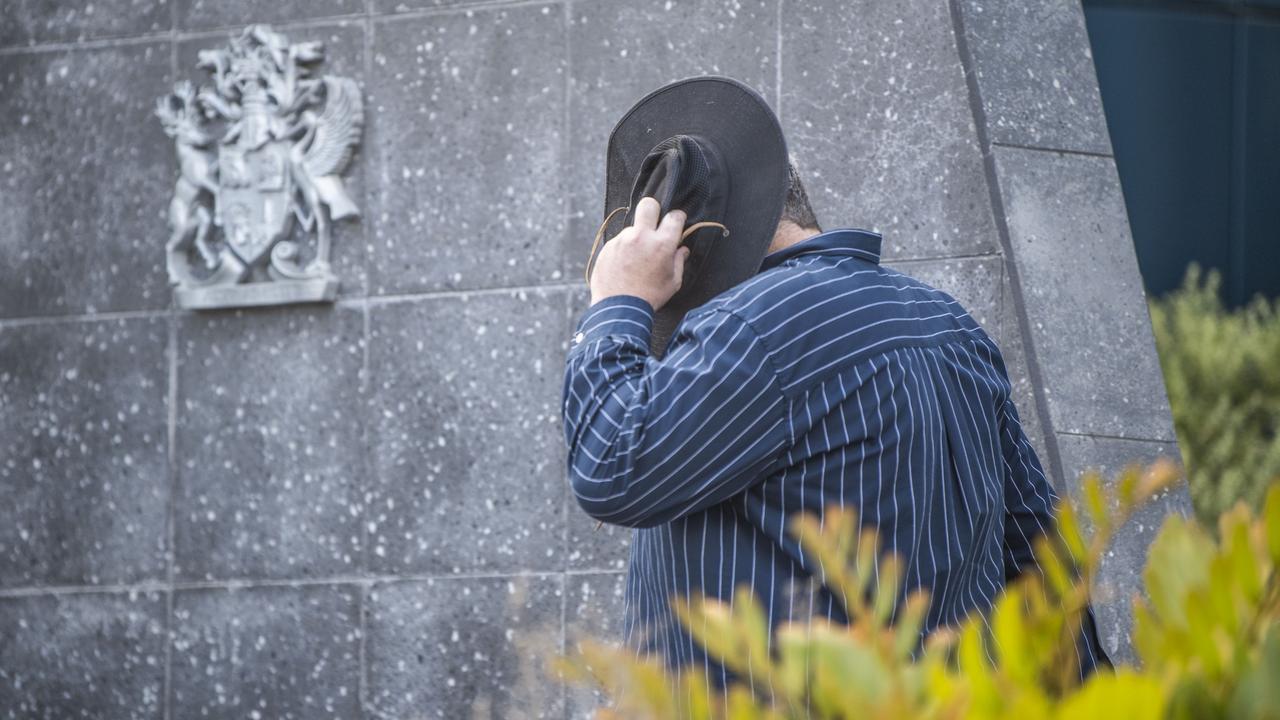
(286, 138)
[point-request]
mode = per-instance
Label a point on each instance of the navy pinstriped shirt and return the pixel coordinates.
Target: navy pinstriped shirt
(825, 379)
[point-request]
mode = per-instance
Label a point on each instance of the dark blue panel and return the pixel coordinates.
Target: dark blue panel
(1261, 266)
(1166, 85)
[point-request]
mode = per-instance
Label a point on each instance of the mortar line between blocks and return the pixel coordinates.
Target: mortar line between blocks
(171, 480)
(393, 298)
(565, 142)
(1102, 436)
(171, 553)
(998, 212)
(157, 586)
(366, 383)
(463, 9)
(1063, 151)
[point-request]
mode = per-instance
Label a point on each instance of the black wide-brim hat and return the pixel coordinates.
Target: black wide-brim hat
(712, 147)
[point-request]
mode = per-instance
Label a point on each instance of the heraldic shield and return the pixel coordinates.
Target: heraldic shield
(261, 147)
(254, 200)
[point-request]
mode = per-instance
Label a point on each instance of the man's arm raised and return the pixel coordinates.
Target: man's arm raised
(652, 440)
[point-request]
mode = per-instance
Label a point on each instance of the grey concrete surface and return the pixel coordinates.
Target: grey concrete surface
(83, 191)
(467, 455)
(1089, 321)
(466, 120)
(360, 511)
(271, 467)
(1121, 572)
(83, 452)
(100, 654)
(1033, 63)
(454, 648)
(877, 115)
(267, 652)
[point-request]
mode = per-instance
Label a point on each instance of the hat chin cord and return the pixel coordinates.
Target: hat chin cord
(595, 245)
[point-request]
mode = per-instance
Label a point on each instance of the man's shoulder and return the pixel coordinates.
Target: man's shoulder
(833, 282)
(827, 311)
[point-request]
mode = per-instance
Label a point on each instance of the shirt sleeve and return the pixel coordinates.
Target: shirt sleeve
(1030, 502)
(1029, 498)
(653, 440)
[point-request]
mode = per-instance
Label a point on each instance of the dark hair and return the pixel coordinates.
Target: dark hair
(797, 208)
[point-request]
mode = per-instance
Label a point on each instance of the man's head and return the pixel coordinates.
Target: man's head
(798, 220)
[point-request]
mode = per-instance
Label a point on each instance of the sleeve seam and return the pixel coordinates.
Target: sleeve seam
(775, 374)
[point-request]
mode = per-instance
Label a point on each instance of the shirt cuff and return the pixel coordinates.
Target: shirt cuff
(624, 317)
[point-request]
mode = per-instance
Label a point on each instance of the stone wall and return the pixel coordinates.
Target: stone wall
(359, 510)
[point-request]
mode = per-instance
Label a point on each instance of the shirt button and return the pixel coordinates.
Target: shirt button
(578, 338)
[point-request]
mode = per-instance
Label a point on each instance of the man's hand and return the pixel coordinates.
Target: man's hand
(644, 260)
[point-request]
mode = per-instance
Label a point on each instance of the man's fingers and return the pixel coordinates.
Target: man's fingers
(647, 213)
(670, 227)
(681, 256)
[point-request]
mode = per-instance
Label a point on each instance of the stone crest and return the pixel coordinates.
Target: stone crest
(261, 152)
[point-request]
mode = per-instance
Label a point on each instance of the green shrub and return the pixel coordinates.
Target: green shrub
(1222, 370)
(1209, 636)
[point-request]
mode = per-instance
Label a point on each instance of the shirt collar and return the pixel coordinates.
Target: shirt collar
(842, 241)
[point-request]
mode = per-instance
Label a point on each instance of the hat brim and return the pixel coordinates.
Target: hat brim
(750, 144)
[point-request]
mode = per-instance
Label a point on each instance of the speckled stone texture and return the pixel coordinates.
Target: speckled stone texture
(1070, 240)
(594, 604)
(455, 648)
(360, 510)
(287, 653)
(72, 656)
(1034, 66)
(83, 461)
(466, 123)
(28, 22)
(272, 463)
(466, 442)
(83, 222)
(877, 116)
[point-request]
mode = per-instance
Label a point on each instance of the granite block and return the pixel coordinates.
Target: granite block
(198, 14)
(1035, 72)
(624, 50)
(1083, 292)
(285, 653)
(606, 547)
(975, 282)
(27, 22)
(594, 604)
(83, 459)
(473, 647)
(1120, 576)
(344, 50)
(876, 110)
(86, 173)
(464, 407)
(82, 655)
(270, 444)
(467, 117)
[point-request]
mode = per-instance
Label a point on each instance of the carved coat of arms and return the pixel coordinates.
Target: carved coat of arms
(262, 147)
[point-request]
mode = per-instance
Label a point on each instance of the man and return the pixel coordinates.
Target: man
(820, 378)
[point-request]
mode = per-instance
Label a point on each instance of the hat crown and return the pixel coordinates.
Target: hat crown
(682, 173)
